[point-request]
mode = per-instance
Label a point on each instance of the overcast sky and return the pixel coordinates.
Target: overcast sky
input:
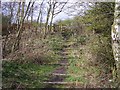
(61, 16)
(66, 13)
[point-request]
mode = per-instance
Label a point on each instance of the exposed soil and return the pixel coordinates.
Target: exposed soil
(57, 75)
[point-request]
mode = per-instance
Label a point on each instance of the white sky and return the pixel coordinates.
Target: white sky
(62, 15)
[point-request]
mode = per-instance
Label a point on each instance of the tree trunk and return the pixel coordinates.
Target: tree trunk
(115, 33)
(46, 24)
(16, 44)
(53, 9)
(12, 5)
(32, 12)
(40, 15)
(1, 56)
(18, 35)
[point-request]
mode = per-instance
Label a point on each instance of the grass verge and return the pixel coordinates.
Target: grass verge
(28, 75)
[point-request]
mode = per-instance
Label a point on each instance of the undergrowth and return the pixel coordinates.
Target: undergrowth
(90, 62)
(30, 67)
(28, 75)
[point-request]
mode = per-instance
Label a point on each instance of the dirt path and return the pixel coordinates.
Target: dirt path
(58, 76)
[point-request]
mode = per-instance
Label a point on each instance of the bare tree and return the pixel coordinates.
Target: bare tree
(56, 9)
(47, 18)
(0, 36)
(39, 15)
(8, 24)
(18, 35)
(52, 13)
(32, 11)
